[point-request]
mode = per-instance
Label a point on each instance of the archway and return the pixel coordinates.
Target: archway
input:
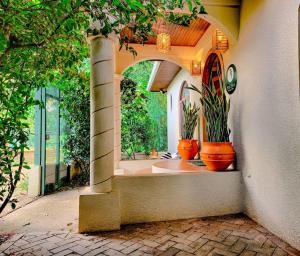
(212, 69)
(175, 92)
(106, 61)
(146, 114)
(143, 113)
(213, 65)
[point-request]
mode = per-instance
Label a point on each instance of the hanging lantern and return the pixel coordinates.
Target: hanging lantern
(163, 40)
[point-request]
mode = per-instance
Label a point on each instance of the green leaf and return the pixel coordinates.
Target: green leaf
(13, 205)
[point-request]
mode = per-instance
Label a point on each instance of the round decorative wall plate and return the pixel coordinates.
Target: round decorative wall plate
(231, 79)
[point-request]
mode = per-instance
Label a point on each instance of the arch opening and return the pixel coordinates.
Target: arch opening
(143, 113)
(160, 102)
(213, 66)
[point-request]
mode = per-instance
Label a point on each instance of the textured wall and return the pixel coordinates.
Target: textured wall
(266, 114)
(177, 196)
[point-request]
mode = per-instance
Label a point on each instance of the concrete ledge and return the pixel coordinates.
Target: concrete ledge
(136, 165)
(99, 211)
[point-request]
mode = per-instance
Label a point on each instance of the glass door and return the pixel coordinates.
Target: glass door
(52, 139)
(48, 132)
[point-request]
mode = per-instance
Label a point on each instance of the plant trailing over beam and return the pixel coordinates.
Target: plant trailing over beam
(111, 17)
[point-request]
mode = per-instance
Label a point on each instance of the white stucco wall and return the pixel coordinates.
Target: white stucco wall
(265, 114)
(164, 196)
(173, 92)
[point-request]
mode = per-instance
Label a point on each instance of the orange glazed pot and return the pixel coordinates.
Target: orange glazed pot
(217, 156)
(187, 149)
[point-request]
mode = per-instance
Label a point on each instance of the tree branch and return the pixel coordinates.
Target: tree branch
(40, 44)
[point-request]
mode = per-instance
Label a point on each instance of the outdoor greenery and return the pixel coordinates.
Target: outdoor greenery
(135, 121)
(42, 41)
(144, 113)
(75, 98)
(215, 109)
(189, 122)
(37, 43)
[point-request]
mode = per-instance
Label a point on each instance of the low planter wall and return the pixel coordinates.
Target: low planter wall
(178, 196)
(160, 197)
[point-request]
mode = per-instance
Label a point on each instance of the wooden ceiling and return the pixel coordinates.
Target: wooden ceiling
(163, 76)
(180, 35)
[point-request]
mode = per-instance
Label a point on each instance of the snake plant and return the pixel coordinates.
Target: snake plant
(190, 117)
(215, 109)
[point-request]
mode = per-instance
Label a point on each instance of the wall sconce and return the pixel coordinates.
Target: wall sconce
(196, 68)
(220, 41)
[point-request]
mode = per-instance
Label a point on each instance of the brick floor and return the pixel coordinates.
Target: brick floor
(227, 236)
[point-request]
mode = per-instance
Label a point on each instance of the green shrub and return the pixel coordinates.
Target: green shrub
(75, 108)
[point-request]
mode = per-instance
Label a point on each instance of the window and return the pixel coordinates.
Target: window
(48, 131)
(213, 65)
(211, 69)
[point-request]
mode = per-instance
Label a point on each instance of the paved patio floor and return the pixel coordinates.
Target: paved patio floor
(227, 235)
(55, 212)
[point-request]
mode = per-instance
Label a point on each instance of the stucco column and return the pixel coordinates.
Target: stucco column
(117, 119)
(102, 114)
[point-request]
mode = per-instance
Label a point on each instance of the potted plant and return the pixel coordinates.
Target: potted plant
(188, 147)
(217, 153)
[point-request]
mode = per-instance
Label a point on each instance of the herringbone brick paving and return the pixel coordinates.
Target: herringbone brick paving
(228, 236)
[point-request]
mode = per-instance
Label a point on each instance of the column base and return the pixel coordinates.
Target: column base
(99, 212)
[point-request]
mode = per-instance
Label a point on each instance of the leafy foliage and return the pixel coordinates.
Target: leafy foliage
(35, 40)
(135, 121)
(13, 139)
(189, 122)
(144, 113)
(215, 110)
(157, 112)
(75, 107)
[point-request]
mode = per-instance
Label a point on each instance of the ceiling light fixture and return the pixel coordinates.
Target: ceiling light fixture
(163, 40)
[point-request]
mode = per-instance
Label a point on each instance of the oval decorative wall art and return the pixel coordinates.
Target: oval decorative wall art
(231, 79)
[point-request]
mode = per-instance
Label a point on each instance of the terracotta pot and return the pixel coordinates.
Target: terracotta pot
(217, 156)
(188, 149)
